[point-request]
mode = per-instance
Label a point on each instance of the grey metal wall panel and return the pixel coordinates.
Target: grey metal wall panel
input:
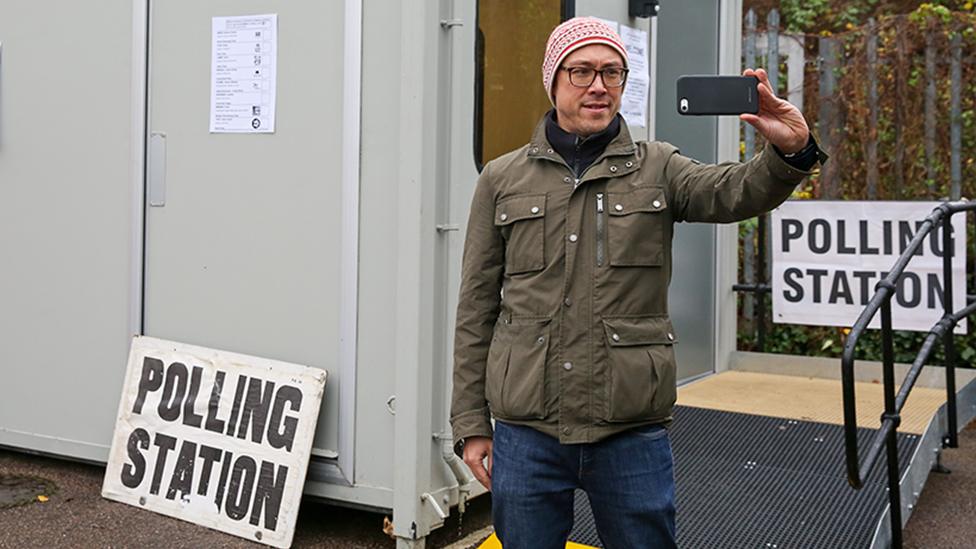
(378, 246)
(245, 254)
(66, 227)
(688, 44)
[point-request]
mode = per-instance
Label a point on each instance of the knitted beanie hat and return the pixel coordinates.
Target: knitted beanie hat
(571, 36)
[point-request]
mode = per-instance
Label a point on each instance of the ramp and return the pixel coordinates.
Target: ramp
(759, 462)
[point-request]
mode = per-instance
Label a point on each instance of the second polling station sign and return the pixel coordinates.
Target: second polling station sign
(828, 256)
(214, 438)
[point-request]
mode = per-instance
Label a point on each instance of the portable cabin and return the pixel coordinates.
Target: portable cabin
(333, 241)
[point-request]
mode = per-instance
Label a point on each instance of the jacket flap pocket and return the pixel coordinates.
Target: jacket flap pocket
(641, 199)
(648, 330)
(517, 208)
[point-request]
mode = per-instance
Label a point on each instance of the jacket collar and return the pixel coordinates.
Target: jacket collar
(540, 147)
(570, 145)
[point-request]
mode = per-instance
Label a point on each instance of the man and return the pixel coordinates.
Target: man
(563, 334)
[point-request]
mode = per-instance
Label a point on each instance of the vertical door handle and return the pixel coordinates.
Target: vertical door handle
(157, 169)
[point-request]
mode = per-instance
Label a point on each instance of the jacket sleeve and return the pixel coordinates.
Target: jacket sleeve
(479, 303)
(731, 191)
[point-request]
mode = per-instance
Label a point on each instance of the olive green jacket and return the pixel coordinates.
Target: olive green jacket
(562, 321)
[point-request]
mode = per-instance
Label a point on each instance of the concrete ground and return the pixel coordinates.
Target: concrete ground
(75, 515)
(944, 516)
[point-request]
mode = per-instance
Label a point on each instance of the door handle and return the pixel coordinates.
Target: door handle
(157, 169)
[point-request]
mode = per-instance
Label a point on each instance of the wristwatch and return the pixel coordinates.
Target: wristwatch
(459, 448)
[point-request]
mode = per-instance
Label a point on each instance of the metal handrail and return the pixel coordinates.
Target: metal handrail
(857, 472)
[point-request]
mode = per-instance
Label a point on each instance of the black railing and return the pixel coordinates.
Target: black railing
(760, 288)
(857, 472)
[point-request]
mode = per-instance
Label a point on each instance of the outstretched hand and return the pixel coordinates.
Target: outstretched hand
(778, 120)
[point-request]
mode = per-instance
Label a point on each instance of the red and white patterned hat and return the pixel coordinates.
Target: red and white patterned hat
(571, 36)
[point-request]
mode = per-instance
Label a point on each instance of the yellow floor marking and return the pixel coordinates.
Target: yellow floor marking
(806, 398)
(493, 543)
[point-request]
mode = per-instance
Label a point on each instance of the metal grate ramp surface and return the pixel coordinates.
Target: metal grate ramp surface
(749, 481)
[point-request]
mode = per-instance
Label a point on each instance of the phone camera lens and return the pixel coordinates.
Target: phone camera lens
(684, 105)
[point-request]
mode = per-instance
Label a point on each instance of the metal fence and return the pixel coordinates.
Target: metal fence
(893, 102)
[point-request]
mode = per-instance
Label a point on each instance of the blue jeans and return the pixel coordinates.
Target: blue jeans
(628, 478)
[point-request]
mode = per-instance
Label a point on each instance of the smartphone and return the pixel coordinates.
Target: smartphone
(712, 95)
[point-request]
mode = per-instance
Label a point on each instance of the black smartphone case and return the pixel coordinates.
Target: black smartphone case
(714, 95)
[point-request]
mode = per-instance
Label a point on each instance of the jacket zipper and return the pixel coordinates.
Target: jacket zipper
(599, 229)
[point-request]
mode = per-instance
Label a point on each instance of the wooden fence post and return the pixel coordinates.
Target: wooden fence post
(748, 240)
(930, 150)
(829, 123)
(955, 115)
(898, 118)
(772, 68)
(872, 76)
(772, 48)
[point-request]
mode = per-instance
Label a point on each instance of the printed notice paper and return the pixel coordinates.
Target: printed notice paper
(633, 104)
(244, 58)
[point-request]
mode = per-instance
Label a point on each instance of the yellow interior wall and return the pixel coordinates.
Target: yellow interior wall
(515, 34)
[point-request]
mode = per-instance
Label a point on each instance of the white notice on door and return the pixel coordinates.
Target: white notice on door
(633, 105)
(244, 57)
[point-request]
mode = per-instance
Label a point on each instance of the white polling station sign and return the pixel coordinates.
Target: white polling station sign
(214, 438)
(828, 256)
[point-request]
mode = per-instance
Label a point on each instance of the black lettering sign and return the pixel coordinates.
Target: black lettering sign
(823, 246)
(936, 291)
(864, 280)
(190, 417)
(909, 279)
(276, 437)
(238, 397)
(790, 276)
(256, 407)
(209, 455)
(240, 488)
(840, 289)
(214, 424)
(222, 483)
(886, 234)
(842, 247)
(151, 380)
(174, 391)
(267, 495)
(817, 275)
(133, 473)
(164, 443)
(792, 230)
(182, 479)
(865, 248)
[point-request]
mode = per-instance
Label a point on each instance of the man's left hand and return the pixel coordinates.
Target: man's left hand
(778, 120)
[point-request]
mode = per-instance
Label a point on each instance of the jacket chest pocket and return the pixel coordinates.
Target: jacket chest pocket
(515, 376)
(642, 371)
(636, 227)
(521, 220)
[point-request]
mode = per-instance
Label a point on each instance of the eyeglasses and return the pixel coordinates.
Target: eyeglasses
(583, 77)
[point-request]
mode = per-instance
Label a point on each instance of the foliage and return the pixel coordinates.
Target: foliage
(903, 31)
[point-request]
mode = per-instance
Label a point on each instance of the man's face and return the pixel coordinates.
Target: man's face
(585, 111)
